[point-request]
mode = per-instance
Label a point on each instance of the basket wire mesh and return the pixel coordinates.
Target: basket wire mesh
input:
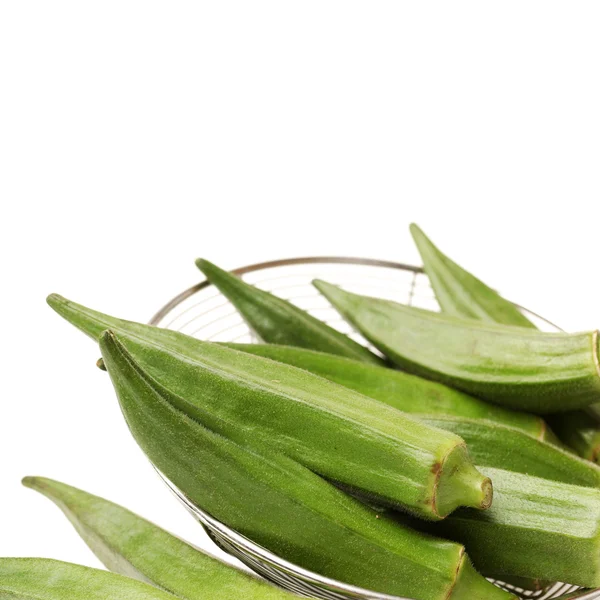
(203, 312)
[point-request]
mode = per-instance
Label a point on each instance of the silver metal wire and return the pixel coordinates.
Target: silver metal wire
(203, 312)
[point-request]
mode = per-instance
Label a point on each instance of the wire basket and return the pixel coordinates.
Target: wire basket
(203, 312)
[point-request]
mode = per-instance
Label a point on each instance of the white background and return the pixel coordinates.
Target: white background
(137, 136)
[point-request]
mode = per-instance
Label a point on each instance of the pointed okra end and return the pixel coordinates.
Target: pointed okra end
(214, 274)
(231, 286)
(459, 483)
(64, 496)
(48, 487)
(85, 319)
(341, 300)
(424, 245)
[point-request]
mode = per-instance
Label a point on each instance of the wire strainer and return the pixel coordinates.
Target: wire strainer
(203, 312)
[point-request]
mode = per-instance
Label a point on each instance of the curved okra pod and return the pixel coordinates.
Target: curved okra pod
(459, 292)
(340, 434)
(278, 321)
(44, 579)
(132, 546)
(512, 366)
(280, 504)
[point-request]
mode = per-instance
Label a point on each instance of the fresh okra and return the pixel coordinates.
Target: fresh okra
(460, 293)
(406, 392)
(350, 439)
(277, 321)
(494, 445)
(512, 366)
(131, 546)
(495, 437)
(282, 505)
(537, 528)
(44, 579)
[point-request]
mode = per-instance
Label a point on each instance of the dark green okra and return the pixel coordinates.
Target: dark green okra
(344, 436)
(132, 546)
(406, 392)
(44, 579)
(278, 321)
(537, 528)
(512, 366)
(496, 437)
(459, 292)
(282, 505)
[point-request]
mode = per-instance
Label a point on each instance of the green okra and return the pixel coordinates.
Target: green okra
(285, 507)
(406, 392)
(580, 431)
(278, 321)
(45, 579)
(132, 546)
(537, 528)
(512, 366)
(495, 437)
(340, 434)
(460, 293)
(494, 445)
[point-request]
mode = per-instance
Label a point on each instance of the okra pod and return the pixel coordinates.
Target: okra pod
(512, 366)
(460, 293)
(340, 434)
(45, 579)
(282, 505)
(406, 392)
(132, 546)
(278, 321)
(537, 528)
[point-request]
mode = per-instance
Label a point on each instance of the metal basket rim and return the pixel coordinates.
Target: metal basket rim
(305, 260)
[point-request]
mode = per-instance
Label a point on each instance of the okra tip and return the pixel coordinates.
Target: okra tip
(55, 300)
(205, 265)
(415, 230)
(31, 482)
(39, 484)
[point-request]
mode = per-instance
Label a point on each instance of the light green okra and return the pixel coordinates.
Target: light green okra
(460, 293)
(512, 366)
(45, 579)
(132, 546)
